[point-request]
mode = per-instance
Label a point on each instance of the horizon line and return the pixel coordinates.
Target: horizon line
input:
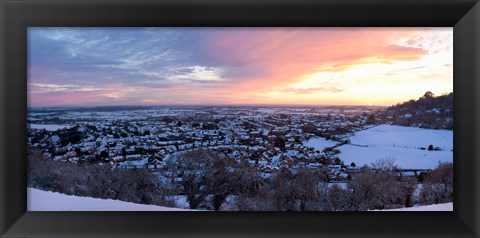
(206, 105)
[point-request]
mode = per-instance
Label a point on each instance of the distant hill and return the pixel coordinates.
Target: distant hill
(428, 111)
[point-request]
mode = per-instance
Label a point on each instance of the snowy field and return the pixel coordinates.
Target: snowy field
(48, 127)
(434, 207)
(400, 143)
(319, 143)
(401, 136)
(38, 200)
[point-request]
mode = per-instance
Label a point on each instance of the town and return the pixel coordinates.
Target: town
(221, 151)
(267, 138)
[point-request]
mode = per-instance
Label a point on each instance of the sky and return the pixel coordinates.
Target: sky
(231, 66)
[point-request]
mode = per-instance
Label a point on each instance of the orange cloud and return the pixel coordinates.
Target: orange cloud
(286, 54)
(312, 90)
(259, 65)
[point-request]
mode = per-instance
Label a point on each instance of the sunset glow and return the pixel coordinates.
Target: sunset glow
(180, 66)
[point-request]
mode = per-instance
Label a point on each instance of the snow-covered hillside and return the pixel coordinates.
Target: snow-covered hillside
(434, 207)
(401, 143)
(38, 200)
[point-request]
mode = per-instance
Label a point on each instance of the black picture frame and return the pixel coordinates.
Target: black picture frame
(16, 16)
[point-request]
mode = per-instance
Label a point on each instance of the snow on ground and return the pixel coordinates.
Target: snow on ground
(133, 163)
(405, 158)
(319, 143)
(401, 136)
(434, 207)
(181, 201)
(267, 110)
(38, 200)
(341, 185)
(400, 143)
(48, 127)
(275, 160)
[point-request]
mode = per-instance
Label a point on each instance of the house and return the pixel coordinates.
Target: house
(343, 176)
(315, 165)
(262, 162)
(117, 158)
(134, 157)
(334, 166)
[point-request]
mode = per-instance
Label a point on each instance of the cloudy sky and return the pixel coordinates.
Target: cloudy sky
(164, 66)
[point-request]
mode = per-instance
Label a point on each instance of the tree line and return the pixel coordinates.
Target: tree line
(214, 183)
(429, 111)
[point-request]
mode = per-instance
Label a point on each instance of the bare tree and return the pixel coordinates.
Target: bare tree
(253, 194)
(226, 180)
(373, 188)
(205, 173)
(195, 180)
(385, 164)
(338, 198)
(305, 185)
(283, 193)
(99, 181)
(438, 186)
(298, 192)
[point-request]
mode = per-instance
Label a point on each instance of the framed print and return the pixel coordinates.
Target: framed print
(330, 109)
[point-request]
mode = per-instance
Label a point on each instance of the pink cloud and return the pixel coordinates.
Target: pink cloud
(252, 62)
(286, 54)
(55, 99)
(42, 96)
(312, 90)
(41, 75)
